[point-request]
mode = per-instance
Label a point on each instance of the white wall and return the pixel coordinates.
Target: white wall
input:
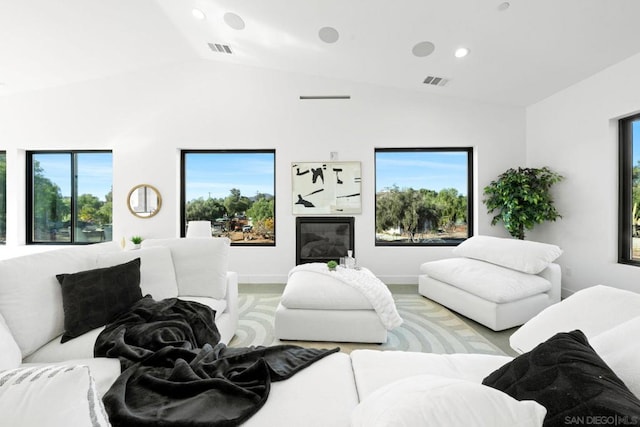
(147, 117)
(575, 133)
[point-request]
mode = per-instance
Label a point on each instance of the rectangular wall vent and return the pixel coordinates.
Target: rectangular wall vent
(435, 81)
(220, 48)
(303, 97)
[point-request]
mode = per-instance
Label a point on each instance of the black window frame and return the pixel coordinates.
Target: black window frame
(183, 201)
(29, 199)
(470, 198)
(625, 188)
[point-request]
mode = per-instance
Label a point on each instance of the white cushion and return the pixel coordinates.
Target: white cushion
(10, 355)
(485, 280)
(157, 276)
(311, 290)
(78, 348)
(50, 396)
(522, 255)
(373, 369)
(104, 371)
(592, 310)
(425, 400)
(619, 348)
(200, 264)
(30, 295)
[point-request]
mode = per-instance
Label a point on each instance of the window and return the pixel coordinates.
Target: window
(69, 196)
(423, 196)
(629, 187)
(234, 189)
(3, 197)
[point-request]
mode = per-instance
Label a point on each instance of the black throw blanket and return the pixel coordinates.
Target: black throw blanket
(175, 373)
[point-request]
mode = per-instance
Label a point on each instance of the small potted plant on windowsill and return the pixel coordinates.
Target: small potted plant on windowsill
(136, 240)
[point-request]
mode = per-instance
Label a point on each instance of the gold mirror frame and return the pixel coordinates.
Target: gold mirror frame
(144, 201)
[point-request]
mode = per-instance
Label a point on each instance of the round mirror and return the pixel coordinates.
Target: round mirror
(144, 201)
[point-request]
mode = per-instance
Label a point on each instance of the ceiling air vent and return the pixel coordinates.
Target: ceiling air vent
(220, 48)
(435, 81)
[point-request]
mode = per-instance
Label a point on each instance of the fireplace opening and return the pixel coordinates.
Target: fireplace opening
(322, 239)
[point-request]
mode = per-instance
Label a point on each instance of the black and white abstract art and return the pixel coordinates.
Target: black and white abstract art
(326, 188)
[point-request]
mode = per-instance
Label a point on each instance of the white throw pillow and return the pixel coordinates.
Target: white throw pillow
(201, 264)
(441, 401)
(619, 348)
(31, 297)
(50, 396)
(10, 355)
(157, 276)
(522, 255)
(592, 310)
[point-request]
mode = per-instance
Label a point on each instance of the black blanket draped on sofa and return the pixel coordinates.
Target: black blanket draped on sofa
(175, 373)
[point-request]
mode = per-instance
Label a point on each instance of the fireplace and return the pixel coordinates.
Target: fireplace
(322, 239)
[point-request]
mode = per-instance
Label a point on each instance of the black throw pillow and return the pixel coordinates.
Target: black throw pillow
(92, 298)
(566, 376)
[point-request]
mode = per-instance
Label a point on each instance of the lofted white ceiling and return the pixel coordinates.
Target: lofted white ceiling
(519, 54)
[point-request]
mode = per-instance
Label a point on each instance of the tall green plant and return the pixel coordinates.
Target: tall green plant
(522, 199)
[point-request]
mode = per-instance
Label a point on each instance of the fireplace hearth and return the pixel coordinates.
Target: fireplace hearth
(322, 239)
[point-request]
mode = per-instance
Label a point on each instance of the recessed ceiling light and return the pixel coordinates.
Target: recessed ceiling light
(423, 49)
(198, 14)
(461, 52)
(504, 6)
(234, 21)
(328, 34)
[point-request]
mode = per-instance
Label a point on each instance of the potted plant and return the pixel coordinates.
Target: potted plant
(522, 199)
(136, 240)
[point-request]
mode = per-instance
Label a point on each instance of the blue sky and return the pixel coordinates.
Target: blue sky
(432, 170)
(215, 174)
(95, 172)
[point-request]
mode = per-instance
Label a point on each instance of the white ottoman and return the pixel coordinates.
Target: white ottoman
(318, 307)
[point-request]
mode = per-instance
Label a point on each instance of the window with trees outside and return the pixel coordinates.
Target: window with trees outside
(234, 190)
(3, 197)
(69, 196)
(629, 187)
(423, 196)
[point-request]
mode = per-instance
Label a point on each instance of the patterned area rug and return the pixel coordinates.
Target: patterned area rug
(428, 327)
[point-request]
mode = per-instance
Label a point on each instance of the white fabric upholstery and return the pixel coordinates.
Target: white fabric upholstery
(321, 395)
(619, 347)
(103, 370)
(522, 255)
(157, 276)
(50, 396)
(424, 400)
(199, 229)
(30, 295)
(329, 325)
(493, 315)
(375, 369)
(592, 310)
(489, 281)
(200, 264)
(10, 355)
(309, 290)
(77, 348)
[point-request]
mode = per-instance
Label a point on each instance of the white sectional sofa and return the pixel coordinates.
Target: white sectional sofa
(365, 388)
(498, 282)
(31, 299)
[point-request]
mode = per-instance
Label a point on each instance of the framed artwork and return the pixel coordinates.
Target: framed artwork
(326, 188)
